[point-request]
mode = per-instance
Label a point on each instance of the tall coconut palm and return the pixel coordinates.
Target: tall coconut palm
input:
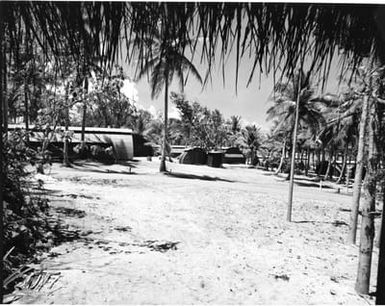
(284, 108)
(235, 124)
(167, 60)
(271, 147)
(341, 127)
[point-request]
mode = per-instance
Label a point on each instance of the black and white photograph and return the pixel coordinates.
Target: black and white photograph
(192, 153)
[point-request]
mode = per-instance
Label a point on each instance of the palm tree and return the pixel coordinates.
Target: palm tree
(186, 114)
(235, 124)
(341, 127)
(2, 100)
(278, 137)
(167, 59)
(284, 108)
(271, 147)
(251, 139)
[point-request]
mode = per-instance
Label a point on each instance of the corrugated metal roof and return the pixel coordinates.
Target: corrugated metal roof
(78, 129)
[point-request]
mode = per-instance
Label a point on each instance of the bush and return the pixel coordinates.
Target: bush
(24, 215)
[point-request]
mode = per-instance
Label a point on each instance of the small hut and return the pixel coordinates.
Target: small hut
(193, 156)
(233, 156)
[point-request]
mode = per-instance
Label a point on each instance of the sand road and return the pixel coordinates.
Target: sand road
(197, 236)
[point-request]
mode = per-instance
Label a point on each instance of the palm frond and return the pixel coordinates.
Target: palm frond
(273, 34)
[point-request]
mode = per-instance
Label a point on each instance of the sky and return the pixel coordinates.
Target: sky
(250, 103)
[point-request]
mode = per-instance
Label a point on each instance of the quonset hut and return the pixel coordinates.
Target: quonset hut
(120, 139)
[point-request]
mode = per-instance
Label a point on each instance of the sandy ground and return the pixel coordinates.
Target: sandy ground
(198, 236)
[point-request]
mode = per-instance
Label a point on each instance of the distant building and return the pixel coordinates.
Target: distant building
(120, 139)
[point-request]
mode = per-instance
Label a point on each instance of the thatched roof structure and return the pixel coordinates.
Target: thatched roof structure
(277, 36)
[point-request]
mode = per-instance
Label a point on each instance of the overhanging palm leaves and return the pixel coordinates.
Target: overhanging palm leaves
(275, 35)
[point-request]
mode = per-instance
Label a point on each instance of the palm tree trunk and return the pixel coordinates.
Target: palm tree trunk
(83, 143)
(307, 162)
(367, 235)
(162, 167)
(330, 162)
(380, 294)
(66, 161)
(312, 159)
(323, 155)
(301, 151)
(293, 133)
(378, 238)
(252, 155)
(5, 101)
(292, 166)
(318, 161)
(333, 172)
(358, 174)
(343, 164)
(282, 158)
(26, 115)
(2, 174)
(368, 209)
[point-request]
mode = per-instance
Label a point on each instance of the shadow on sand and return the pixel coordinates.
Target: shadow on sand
(269, 173)
(88, 163)
(308, 179)
(303, 184)
(91, 167)
(196, 177)
(107, 171)
(335, 223)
